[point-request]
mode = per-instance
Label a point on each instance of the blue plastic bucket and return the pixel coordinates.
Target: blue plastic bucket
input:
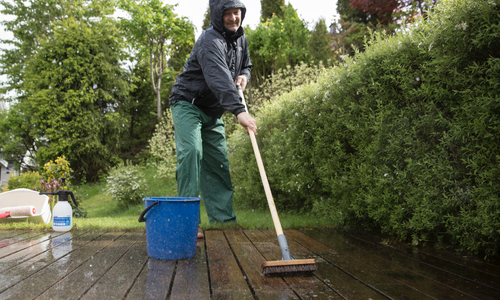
(171, 226)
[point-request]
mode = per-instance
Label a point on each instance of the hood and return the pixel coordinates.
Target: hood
(217, 8)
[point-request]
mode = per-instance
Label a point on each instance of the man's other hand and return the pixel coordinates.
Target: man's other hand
(241, 80)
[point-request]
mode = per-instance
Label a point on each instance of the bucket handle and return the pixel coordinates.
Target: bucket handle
(141, 217)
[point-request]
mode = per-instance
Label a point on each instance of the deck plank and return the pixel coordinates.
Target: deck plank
(225, 275)
(36, 275)
(250, 259)
(9, 234)
(12, 276)
(118, 280)
(356, 269)
(477, 271)
(138, 289)
(302, 246)
(191, 276)
(431, 249)
(38, 246)
(304, 285)
(75, 284)
(433, 272)
(227, 265)
(25, 241)
(153, 281)
(401, 274)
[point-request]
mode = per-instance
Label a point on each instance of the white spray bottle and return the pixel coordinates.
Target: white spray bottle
(62, 214)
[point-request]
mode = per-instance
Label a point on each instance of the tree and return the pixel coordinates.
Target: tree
(382, 10)
(408, 10)
(17, 137)
(386, 12)
(152, 30)
(270, 8)
(33, 20)
(298, 35)
(182, 49)
(277, 43)
(339, 44)
(353, 26)
(73, 85)
(206, 19)
(358, 17)
(266, 44)
(351, 14)
(138, 110)
(319, 43)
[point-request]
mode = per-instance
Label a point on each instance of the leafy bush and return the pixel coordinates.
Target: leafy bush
(162, 148)
(403, 136)
(125, 185)
(283, 81)
(52, 182)
(28, 180)
(58, 169)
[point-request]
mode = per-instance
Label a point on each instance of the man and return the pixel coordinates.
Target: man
(205, 89)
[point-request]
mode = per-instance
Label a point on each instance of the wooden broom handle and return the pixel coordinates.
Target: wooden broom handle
(265, 182)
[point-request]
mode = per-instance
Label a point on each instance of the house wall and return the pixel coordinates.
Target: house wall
(5, 173)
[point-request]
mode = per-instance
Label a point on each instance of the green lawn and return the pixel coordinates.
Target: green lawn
(104, 213)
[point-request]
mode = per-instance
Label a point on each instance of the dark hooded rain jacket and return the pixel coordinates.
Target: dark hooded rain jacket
(218, 57)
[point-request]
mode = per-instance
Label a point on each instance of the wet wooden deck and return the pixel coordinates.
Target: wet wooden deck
(115, 265)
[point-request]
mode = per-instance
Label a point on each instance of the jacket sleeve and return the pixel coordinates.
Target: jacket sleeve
(211, 58)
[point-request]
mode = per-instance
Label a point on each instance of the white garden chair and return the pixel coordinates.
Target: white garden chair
(23, 197)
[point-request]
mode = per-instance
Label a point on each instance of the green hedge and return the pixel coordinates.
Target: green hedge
(27, 180)
(404, 137)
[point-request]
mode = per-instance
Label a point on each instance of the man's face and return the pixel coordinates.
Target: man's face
(232, 18)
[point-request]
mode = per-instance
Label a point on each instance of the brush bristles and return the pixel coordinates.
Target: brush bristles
(289, 269)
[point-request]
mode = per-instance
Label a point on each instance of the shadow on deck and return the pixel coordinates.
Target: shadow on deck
(227, 265)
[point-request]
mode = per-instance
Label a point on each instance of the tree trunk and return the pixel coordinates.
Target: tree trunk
(158, 70)
(158, 103)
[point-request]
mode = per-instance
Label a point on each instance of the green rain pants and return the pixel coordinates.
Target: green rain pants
(202, 163)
